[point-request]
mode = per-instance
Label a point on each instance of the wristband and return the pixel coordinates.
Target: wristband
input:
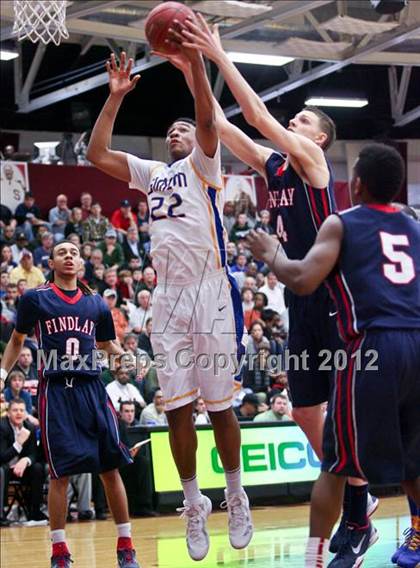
(3, 374)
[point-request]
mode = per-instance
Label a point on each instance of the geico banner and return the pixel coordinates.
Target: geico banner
(269, 455)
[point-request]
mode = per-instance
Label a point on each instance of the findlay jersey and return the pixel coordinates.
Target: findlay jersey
(67, 328)
(297, 209)
(376, 284)
(186, 210)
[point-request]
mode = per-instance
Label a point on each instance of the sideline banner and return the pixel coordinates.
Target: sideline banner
(269, 455)
(14, 183)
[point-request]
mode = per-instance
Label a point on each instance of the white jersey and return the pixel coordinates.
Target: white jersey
(186, 210)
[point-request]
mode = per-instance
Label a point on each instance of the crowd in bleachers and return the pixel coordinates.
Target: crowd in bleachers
(117, 265)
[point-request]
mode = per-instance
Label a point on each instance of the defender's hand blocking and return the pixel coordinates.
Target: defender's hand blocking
(175, 36)
(199, 36)
(119, 77)
(262, 245)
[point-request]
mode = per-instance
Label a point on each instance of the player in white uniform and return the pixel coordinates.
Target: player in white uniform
(195, 323)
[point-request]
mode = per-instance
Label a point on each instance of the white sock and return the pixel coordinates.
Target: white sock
(316, 552)
(58, 535)
(191, 490)
(233, 481)
(124, 530)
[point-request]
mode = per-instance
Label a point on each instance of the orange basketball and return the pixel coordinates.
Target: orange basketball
(160, 20)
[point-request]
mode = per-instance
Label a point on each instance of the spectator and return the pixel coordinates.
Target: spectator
(7, 262)
(142, 213)
(255, 372)
(138, 315)
(96, 225)
(278, 380)
(96, 282)
(136, 476)
(8, 152)
(85, 204)
(123, 218)
(17, 248)
(248, 408)
(18, 457)
(111, 281)
(247, 299)
(274, 292)
(86, 251)
(250, 316)
(264, 222)
(6, 217)
(128, 414)
(25, 364)
(28, 216)
(59, 216)
(96, 259)
(121, 390)
(154, 413)
(279, 410)
(75, 224)
(80, 487)
(113, 255)
(10, 300)
(144, 339)
(16, 381)
(130, 345)
(75, 239)
(131, 245)
(22, 286)
(125, 284)
(229, 216)
(231, 253)
(250, 282)
(145, 238)
(240, 228)
(42, 253)
(27, 271)
(149, 280)
(201, 415)
(8, 235)
(118, 317)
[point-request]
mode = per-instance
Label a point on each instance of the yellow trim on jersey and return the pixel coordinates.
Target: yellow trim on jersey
(213, 229)
(194, 391)
(203, 179)
(219, 401)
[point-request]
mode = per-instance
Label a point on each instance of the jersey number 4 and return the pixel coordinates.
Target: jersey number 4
(401, 268)
(174, 202)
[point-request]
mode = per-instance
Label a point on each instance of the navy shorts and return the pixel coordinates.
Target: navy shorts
(79, 427)
(312, 329)
(372, 428)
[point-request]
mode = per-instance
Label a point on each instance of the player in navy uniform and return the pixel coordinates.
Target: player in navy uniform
(79, 427)
(369, 258)
(301, 197)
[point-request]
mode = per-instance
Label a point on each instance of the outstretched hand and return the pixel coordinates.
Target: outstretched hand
(119, 77)
(178, 60)
(176, 37)
(198, 35)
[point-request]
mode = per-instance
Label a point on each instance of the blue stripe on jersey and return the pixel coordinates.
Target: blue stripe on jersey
(219, 226)
(238, 315)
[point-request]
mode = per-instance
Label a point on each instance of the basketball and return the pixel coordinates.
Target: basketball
(160, 19)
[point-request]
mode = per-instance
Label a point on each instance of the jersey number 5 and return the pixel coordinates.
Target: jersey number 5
(174, 202)
(401, 268)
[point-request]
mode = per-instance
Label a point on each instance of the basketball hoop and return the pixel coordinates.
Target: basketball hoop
(43, 20)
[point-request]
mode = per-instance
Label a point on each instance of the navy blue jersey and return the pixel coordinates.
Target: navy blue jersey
(67, 328)
(297, 209)
(376, 283)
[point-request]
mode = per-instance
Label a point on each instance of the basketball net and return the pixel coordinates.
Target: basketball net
(40, 20)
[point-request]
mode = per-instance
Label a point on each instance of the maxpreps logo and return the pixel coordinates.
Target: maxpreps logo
(271, 457)
(167, 184)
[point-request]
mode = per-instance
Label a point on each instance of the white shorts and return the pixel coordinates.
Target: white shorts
(197, 331)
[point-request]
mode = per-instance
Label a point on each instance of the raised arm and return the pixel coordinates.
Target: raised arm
(309, 154)
(241, 145)
(99, 150)
(301, 276)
